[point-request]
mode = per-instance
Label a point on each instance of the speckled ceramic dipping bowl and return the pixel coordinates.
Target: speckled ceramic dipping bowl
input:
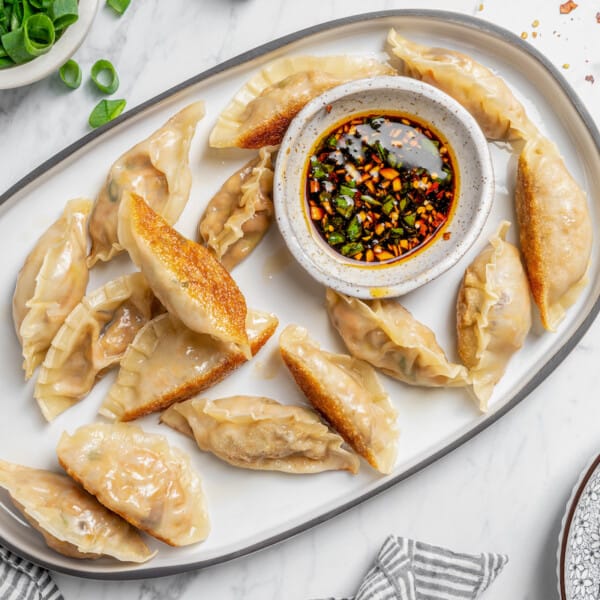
(422, 103)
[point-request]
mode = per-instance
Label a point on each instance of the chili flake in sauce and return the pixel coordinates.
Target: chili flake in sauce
(379, 187)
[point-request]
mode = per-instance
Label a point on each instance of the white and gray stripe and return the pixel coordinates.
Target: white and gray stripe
(409, 570)
(441, 574)
(22, 580)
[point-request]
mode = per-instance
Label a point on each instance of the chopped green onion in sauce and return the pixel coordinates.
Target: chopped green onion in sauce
(380, 187)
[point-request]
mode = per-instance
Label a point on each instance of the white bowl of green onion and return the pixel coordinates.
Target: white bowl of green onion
(38, 36)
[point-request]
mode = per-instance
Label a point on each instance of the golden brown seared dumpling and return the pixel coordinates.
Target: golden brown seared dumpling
(93, 338)
(189, 281)
(555, 230)
(140, 477)
(261, 111)
(240, 213)
(485, 95)
(493, 313)
(167, 362)
(387, 336)
(259, 433)
(347, 393)
(72, 521)
(51, 283)
(157, 169)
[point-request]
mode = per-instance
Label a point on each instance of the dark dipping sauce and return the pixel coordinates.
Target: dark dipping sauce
(379, 187)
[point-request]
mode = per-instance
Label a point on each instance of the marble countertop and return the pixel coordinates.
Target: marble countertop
(505, 490)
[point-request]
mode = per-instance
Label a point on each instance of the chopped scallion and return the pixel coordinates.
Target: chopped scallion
(388, 205)
(370, 200)
(410, 219)
(352, 248)
(336, 238)
(14, 45)
(119, 6)
(39, 34)
(63, 13)
(104, 69)
(344, 205)
(348, 189)
(354, 229)
(70, 73)
(105, 111)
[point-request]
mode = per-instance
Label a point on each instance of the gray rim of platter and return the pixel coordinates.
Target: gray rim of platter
(474, 25)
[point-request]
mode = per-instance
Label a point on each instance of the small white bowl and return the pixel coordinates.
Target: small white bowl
(424, 104)
(59, 54)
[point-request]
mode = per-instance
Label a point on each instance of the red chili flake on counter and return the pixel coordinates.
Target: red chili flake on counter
(567, 7)
(598, 17)
(379, 187)
(590, 78)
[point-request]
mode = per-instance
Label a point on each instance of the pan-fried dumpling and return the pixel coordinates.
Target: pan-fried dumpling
(157, 169)
(140, 477)
(485, 95)
(186, 277)
(239, 214)
(72, 521)
(386, 335)
(93, 338)
(493, 313)
(51, 283)
(259, 433)
(167, 362)
(347, 393)
(555, 230)
(261, 111)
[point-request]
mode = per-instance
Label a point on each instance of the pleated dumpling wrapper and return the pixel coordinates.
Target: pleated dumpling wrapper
(186, 277)
(139, 476)
(167, 362)
(93, 338)
(72, 521)
(555, 230)
(387, 336)
(253, 432)
(157, 169)
(347, 393)
(485, 95)
(261, 111)
(493, 313)
(240, 213)
(51, 283)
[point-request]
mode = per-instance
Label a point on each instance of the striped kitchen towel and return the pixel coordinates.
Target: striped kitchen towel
(22, 580)
(409, 570)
